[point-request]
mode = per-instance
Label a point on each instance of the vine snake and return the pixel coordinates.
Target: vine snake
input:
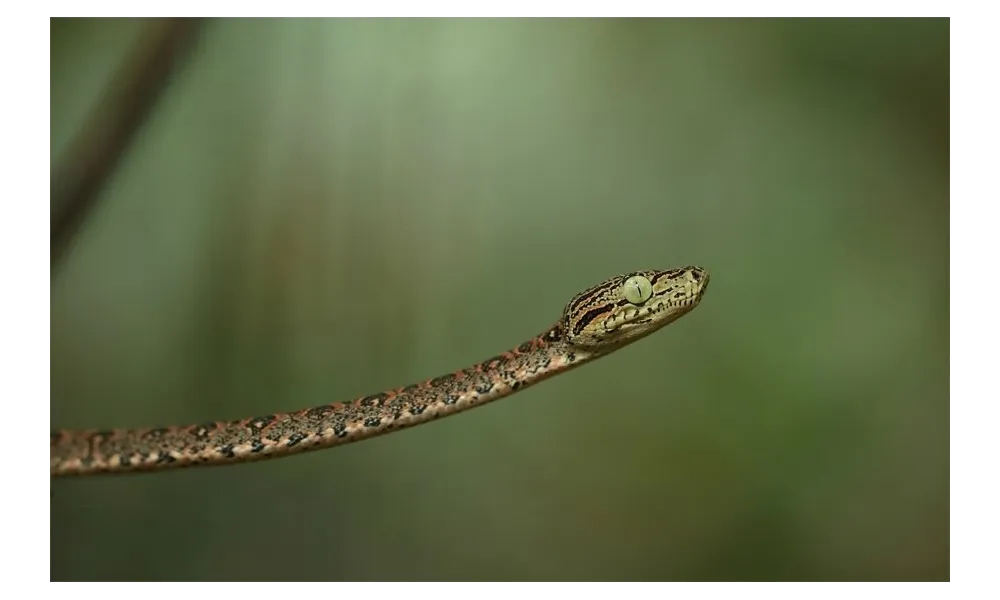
(594, 323)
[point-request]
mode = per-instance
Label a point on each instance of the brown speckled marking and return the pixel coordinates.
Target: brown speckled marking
(594, 323)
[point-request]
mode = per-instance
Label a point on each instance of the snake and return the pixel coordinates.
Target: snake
(594, 323)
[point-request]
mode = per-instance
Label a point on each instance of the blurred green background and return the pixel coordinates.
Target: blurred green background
(320, 209)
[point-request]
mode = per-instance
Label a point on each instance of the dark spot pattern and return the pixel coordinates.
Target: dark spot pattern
(320, 412)
(256, 425)
(494, 363)
(295, 438)
(373, 401)
(443, 379)
(202, 431)
(107, 434)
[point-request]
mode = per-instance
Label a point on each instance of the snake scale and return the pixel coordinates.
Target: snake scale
(594, 323)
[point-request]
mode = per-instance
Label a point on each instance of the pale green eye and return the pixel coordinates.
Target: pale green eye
(638, 289)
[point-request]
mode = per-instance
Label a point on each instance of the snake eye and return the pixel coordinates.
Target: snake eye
(637, 289)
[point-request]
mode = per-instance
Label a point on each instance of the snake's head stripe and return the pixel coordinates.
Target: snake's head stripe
(628, 307)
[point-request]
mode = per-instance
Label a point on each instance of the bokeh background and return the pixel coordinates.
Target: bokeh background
(320, 209)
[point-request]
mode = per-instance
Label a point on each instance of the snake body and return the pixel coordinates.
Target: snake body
(594, 323)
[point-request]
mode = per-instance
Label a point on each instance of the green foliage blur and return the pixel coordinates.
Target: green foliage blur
(320, 209)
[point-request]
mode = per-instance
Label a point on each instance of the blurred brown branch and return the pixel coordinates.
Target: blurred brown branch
(92, 156)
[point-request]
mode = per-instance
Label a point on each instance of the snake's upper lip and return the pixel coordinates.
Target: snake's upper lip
(700, 275)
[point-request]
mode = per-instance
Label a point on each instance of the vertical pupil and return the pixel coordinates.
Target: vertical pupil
(633, 292)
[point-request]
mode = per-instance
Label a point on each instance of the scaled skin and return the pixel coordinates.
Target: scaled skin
(594, 323)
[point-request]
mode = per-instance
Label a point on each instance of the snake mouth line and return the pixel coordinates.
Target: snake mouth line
(661, 306)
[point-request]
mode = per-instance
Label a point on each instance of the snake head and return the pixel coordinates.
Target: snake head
(631, 306)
